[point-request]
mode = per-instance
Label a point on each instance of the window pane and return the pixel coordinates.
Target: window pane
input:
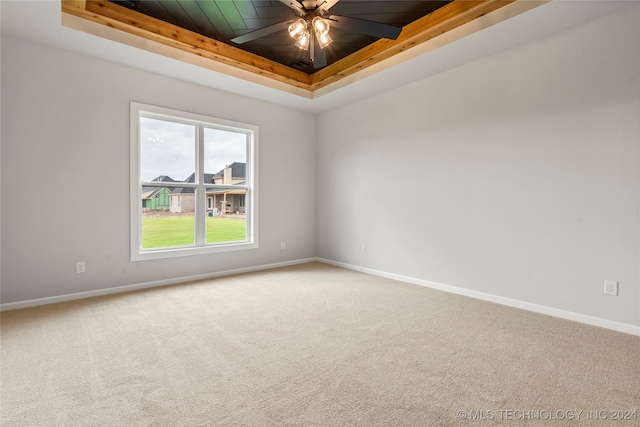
(167, 149)
(225, 157)
(225, 161)
(226, 219)
(168, 217)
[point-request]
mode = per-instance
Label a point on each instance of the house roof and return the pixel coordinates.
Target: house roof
(147, 194)
(163, 178)
(238, 170)
(208, 177)
(150, 192)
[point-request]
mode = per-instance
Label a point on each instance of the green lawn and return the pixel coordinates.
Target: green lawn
(174, 231)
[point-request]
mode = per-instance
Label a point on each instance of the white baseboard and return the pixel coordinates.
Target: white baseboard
(563, 314)
(146, 285)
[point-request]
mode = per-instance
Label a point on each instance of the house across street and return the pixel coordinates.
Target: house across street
(175, 199)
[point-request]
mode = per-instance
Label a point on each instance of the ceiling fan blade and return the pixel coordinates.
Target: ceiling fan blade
(265, 31)
(293, 4)
(362, 26)
(326, 5)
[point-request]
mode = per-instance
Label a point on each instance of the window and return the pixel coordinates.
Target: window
(193, 186)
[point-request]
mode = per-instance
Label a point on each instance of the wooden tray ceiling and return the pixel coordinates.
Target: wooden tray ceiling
(208, 37)
(223, 20)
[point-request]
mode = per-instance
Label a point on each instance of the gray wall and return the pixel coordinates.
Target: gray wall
(516, 175)
(65, 173)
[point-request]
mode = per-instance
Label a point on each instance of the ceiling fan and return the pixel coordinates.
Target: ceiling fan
(311, 30)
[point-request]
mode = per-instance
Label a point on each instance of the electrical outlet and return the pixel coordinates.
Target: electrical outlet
(611, 288)
(80, 267)
(364, 249)
(282, 245)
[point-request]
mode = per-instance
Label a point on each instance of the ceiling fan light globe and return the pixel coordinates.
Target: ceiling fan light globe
(324, 40)
(321, 26)
(303, 41)
(297, 28)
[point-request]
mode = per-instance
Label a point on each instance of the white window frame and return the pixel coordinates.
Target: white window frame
(251, 197)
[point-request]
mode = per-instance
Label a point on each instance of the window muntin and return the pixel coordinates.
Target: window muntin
(193, 184)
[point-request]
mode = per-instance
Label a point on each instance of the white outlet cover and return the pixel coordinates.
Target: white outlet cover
(611, 287)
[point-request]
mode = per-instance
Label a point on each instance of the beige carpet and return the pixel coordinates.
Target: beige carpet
(309, 345)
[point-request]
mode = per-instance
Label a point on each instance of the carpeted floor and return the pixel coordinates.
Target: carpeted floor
(309, 345)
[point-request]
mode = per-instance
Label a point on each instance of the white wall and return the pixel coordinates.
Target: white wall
(65, 173)
(516, 175)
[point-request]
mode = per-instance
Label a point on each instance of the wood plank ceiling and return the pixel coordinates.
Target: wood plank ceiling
(223, 20)
(205, 28)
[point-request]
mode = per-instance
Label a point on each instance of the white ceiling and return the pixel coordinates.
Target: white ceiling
(40, 22)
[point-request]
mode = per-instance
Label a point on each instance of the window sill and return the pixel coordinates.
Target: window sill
(165, 253)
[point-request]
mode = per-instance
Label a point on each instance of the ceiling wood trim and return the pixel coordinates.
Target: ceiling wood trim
(121, 18)
(439, 22)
